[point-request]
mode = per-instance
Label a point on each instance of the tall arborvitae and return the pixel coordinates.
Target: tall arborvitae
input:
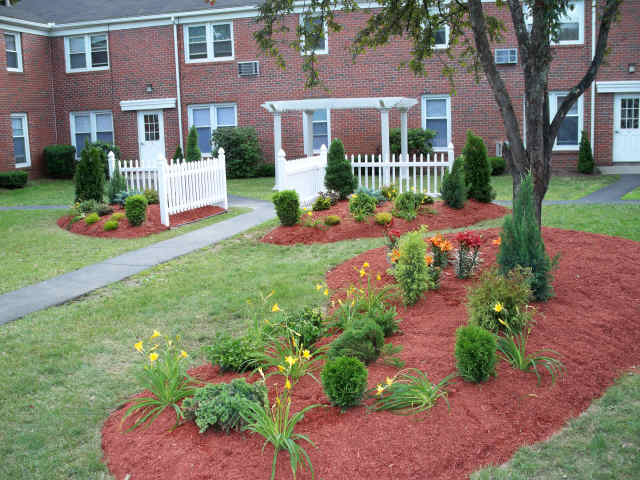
(477, 170)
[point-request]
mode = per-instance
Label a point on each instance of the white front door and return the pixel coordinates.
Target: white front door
(626, 128)
(150, 136)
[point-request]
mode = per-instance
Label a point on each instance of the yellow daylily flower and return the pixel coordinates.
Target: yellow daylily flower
(306, 354)
(278, 400)
(318, 286)
(379, 389)
(365, 265)
(389, 381)
(280, 368)
(503, 322)
(153, 356)
(378, 277)
(275, 308)
(326, 292)
(291, 360)
(287, 384)
(309, 213)
(362, 272)
(183, 354)
(497, 307)
(138, 346)
(155, 334)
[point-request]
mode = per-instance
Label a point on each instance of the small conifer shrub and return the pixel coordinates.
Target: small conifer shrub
(363, 341)
(136, 209)
(475, 353)
(477, 170)
(453, 188)
(287, 207)
(110, 225)
(89, 176)
(339, 176)
(193, 153)
(344, 380)
(585, 155)
(411, 270)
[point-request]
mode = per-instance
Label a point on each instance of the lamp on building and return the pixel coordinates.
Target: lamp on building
(632, 67)
(149, 88)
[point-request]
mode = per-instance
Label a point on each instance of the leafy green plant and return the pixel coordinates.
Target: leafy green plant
(453, 188)
(152, 196)
(233, 354)
(178, 155)
(377, 194)
(409, 392)
(89, 176)
(289, 358)
(361, 206)
(116, 184)
(60, 160)
(332, 220)
(513, 349)
(384, 218)
(344, 380)
(192, 152)
(219, 406)
(110, 225)
(419, 140)
(242, 151)
(363, 340)
(585, 155)
(521, 243)
(264, 169)
(323, 202)
(306, 325)
(165, 376)
(339, 176)
(87, 206)
(14, 179)
(388, 355)
(135, 208)
(407, 204)
(475, 353)
(390, 192)
(410, 269)
(117, 216)
(477, 171)
(104, 210)
(287, 206)
(91, 218)
(498, 299)
(498, 165)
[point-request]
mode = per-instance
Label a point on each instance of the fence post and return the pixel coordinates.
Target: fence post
(450, 157)
(111, 160)
(162, 190)
(281, 164)
(323, 166)
(223, 172)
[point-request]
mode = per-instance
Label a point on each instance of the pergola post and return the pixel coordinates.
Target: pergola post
(386, 156)
(277, 145)
(307, 132)
(404, 144)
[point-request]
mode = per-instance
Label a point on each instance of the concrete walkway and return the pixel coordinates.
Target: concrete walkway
(35, 207)
(66, 287)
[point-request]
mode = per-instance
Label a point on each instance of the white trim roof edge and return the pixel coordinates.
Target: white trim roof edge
(618, 86)
(147, 104)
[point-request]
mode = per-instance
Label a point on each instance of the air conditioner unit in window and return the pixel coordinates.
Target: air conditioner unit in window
(248, 69)
(498, 149)
(506, 55)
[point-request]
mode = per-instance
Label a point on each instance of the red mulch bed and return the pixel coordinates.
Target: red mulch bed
(150, 226)
(593, 322)
(443, 218)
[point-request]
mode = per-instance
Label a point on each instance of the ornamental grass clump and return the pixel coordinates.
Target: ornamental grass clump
(410, 270)
(344, 380)
(165, 376)
(467, 256)
(361, 206)
(287, 206)
(475, 353)
(409, 392)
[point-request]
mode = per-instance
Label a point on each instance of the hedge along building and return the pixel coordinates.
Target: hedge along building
(141, 73)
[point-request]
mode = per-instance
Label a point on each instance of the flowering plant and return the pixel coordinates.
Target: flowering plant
(391, 237)
(467, 256)
(440, 249)
(307, 220)
(165, 376)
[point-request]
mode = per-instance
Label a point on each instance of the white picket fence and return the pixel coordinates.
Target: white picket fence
(422, 173)
(181, 185)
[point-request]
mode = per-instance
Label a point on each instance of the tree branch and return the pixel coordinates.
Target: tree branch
(517, 17)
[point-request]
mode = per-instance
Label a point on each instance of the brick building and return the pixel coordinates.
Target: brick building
(140, 73)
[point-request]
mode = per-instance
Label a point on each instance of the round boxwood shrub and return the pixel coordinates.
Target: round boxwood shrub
(117, 216)
(475, 353)
(363, 341)
(383, 218)
(110, 225)
(136, 209)
(287, 207)
(498, 165)
(151, 196)
(91, 218)
(60, 160)
(344, 380)
(332, 220)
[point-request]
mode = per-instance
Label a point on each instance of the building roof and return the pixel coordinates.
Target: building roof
(72, 11)
(339, 103)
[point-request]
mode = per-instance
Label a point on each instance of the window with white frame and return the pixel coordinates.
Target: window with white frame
(206, 118)
(436, 115)
(441, 36)
(319, 46)
(209, 42)
(13, 48)
(571, 29)
(87, 52)
(91, 127)
(20, 134)
(321, 128)
(571, 127)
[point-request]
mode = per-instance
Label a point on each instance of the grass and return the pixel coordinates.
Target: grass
(39, 192)
(603, 443)
(615, 220)
(35, 248)
(258, 188)
(632, 195)
(560, 187)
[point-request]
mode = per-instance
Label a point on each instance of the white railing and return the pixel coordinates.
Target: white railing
(304, 175)
(181, 185)
(422, 173)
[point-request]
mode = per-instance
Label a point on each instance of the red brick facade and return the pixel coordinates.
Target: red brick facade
(141, 56)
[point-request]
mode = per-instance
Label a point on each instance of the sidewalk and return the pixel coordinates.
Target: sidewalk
(61, 289)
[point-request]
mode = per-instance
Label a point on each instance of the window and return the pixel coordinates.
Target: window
(320, 125)
(629, 113)
(87, 52)
(442, 37)
(208, 43)
(569, 133)
(320, 46)
(436, 114)
(90, 127)
(206, 118)
(571, 30)
(13, 47)
(20, 133)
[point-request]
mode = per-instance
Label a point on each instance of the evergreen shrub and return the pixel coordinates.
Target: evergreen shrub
(344, 380)
(585, 155)
(89, 176)
(242, 151)
(339, 176)
(14, 179)
(411, 271)
(136, 209)
(287, 207)
(477, 171)
(364, 341)
(60, 161)
(475, 353)
(193, 153)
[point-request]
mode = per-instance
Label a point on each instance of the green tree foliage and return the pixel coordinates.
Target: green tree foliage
(419, 140)
(411, 271)
(477, 170)
(178, 155)
(116, 184)
(241, 150)
(522, 244)
(193, 151)
(60, 160)
(89, 176)
(339, 176)
(585, 156)
(453, 188)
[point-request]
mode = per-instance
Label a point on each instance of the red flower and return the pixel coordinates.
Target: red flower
(469, 239)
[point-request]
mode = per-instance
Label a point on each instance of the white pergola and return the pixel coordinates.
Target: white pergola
(308, 106)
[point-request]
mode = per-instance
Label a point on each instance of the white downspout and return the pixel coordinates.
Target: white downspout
(178, 94)
(593, 85)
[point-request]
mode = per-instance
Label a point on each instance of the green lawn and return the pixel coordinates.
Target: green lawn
(35, 248)
(259, 188)
(560, 187)
(632, 195)
(39, 192)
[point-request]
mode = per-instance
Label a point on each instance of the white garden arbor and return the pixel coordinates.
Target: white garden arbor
(308, 106)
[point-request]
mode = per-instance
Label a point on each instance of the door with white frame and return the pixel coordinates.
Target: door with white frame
(626, 128)
(150, 136)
